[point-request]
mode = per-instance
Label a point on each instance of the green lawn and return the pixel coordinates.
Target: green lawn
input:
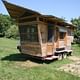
(76, 49)
(10, 70)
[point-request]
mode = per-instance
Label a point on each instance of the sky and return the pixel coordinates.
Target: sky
(67, 9)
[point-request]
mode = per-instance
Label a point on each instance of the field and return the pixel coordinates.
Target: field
(14, 66)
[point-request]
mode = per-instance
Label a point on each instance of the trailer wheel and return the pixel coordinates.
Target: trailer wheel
(19, 48)
(69, 54)
(60, 56)
(65, 55)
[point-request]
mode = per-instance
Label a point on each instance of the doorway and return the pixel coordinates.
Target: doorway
(50, 36)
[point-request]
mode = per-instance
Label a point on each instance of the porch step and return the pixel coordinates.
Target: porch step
(51, 57)
(68, 50)
(63, 51)
(60, 51)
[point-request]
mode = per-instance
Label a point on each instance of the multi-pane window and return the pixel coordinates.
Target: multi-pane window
(62, 35)
(29, 33)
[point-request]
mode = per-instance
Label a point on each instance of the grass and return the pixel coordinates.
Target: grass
(10, 70)
(76, 49)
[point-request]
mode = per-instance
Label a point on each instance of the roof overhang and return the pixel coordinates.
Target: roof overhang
(16, 11)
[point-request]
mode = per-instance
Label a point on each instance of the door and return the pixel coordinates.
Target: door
(50, 39)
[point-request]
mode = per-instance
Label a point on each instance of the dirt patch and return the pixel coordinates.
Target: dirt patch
(27, 64)
(74, 58)
(73, 68)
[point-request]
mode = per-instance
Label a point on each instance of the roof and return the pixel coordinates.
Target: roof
(16, 11)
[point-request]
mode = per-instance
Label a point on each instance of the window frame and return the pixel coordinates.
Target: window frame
(30, 35)
(61, 35)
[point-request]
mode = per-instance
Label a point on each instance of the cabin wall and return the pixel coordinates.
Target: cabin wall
(62, 36)
(61, 43)
(30, 47)
(70, 38)
(50, 39)
(43, 40)
(43, 48)
(47, 46)
(66, 39)
(72, 35)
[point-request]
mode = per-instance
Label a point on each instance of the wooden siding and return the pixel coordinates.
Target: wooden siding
(31, 48)
(46, 47)
(68, 42)
(50, 49)
(57, 37)
(61, 43)
(43, 38)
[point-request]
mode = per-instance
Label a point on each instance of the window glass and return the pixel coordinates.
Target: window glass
(28, 30)
(32, 30)
(29, 33)
(50, 32)
(62, 35)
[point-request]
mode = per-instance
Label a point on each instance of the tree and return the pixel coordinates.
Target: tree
(76, 21)
(5, 23)
(8, 27)
(12, 32)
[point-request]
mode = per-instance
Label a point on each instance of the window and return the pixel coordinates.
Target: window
(50, 32)
(62, 35)
(29, 33)
(69, 32)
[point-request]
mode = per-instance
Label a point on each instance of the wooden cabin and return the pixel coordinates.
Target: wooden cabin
(44, 36)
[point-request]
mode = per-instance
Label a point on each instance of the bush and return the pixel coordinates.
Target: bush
(12, 32)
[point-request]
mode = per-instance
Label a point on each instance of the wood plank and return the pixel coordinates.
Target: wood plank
(54, 37)
(39, 36)
(27, 17)
(33, 53)
(11, 9)
(32, 22)
(9, 6)
(65, 39)
(14, 12)
(49, 49)
(31, 49)
(32, 43)
(57, 37)
(28, 23)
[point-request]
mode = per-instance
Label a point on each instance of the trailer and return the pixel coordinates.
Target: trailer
(44, 36)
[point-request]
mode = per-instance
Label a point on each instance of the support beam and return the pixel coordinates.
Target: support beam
(27, 17)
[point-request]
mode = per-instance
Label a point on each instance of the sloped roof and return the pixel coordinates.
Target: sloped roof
(16, 11)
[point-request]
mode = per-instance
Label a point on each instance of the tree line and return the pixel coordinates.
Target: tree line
(9, 29)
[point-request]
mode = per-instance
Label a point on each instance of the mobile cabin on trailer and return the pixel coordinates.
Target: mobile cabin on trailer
(44, 36)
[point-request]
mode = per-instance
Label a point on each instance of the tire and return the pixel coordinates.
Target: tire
(60, 56)
(64, 55)
(19, 48)
(69, 54)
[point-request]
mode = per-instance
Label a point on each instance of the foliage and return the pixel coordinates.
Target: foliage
(11, 69)
(7, 27)
(76, 21)
(12, 32)
(76, 49)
